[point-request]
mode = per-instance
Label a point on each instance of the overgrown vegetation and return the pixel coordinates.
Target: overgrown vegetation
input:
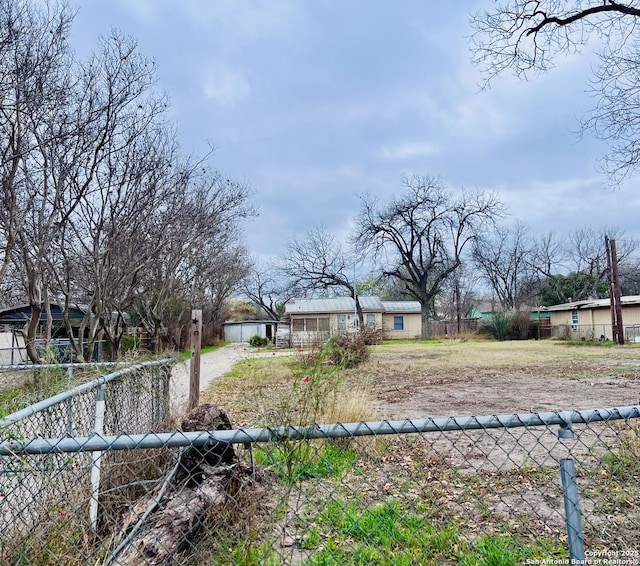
(508, 326)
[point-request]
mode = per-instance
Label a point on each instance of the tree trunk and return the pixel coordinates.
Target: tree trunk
(32, 330)
(200, 484)
(360, 313)
(458, 307)
(424, 315)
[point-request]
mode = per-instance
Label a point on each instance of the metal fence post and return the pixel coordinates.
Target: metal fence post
(571, 499)
(69, 403)
(572, 510)
(95, 459)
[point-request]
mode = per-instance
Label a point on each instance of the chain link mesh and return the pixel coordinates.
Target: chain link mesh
(462, 493)
(40, 493)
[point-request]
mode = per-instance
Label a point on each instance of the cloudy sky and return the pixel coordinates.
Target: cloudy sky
(315, 102)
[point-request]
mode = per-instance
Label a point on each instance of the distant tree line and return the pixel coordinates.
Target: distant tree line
(447, 250)
(99, 208)
(438, 247)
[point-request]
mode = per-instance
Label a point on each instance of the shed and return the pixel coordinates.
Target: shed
(242, 330)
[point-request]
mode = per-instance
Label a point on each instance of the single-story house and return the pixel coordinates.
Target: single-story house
(241, 331)
(591, 319)
(315, 320)
(483, 310)
(17, 318)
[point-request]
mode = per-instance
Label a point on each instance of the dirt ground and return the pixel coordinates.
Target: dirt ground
(503, 378)
(469, 378)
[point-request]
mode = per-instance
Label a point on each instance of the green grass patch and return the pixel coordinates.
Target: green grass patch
(390, 533)
(595, 343)
(186, 355)
(297, 461)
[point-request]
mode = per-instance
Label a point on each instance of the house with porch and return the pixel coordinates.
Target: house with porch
(313, 321)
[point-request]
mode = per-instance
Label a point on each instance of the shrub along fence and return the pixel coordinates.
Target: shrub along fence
(460, 490)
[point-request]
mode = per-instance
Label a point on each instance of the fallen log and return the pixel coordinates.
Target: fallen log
(200, 482)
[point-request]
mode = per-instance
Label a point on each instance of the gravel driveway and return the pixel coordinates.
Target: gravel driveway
(212, 365)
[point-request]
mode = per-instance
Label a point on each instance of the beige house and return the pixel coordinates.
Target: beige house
(314, 320)
(401, 319)
(591, 319)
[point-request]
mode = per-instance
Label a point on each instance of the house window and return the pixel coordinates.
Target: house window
(398, 322)
(342, 322)
(371, 320)
(574, 319)
(311, 324)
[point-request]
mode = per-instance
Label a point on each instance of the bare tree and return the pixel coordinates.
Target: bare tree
(575, 267)
(504, 257)
(525, 37)
(199, 232)
(423, 233)
(319, 262)
(97, 209)
(265, 287)
(37, 91)
(219, 275)
(123, 171)
(459, 293)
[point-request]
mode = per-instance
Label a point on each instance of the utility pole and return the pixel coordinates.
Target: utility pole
(617, 327)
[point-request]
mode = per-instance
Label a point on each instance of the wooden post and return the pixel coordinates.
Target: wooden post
(616, 291)
(617, 327)
(196, 342)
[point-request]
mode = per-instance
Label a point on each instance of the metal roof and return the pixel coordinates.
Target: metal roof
(333, 305)
(347, 305)
(22, 313)
(402, 306)
(594, 303)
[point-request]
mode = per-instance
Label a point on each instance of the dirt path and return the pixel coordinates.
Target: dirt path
(212, 365)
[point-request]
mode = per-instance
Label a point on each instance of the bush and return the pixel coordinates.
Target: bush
(371, 336)
(258, 341)
(347, 350)
(520, 326)
(508, 326)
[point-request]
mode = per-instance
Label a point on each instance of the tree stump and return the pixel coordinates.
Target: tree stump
(200, 482)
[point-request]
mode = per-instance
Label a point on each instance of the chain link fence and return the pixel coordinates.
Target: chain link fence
(133, 399)
(511, 489)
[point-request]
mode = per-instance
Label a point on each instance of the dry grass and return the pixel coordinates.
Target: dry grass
(348, 406)
(253, 390)
(400, 375)
(263, 391)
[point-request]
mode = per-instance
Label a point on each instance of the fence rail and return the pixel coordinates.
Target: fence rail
(520, 488)
(564, 420)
